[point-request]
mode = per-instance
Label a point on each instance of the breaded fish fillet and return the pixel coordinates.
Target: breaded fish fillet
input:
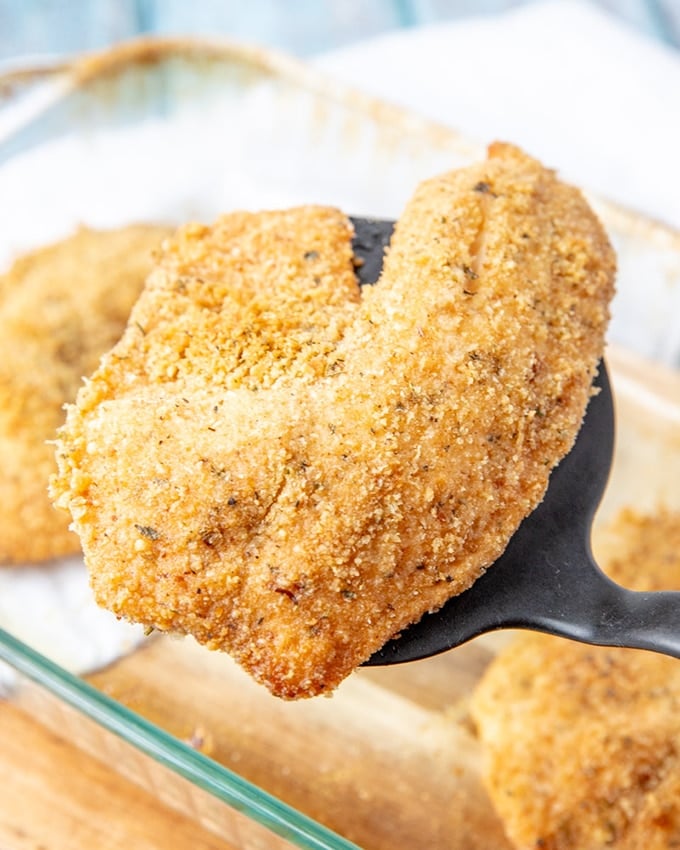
(292, 469)
(61, 307)
(583, 743)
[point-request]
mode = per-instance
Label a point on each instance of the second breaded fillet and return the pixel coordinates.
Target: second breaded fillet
(582, 743)
(61, 308)
(293, 470)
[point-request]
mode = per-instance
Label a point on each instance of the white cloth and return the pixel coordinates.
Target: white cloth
(572, 85)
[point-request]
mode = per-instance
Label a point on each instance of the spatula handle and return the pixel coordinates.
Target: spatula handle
(640, 620)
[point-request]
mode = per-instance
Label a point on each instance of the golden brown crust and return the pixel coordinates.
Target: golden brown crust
(294, 472)
(583, 743)
(642, 551)
(61, 307)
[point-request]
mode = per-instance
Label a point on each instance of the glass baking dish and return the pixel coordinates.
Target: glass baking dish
(173, 130)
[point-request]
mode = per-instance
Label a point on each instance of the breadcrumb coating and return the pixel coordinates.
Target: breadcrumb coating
(61, 307)
(582, 744)
(292, 469)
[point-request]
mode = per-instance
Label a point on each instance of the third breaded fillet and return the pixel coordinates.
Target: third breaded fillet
(293, 470)
(582, 743)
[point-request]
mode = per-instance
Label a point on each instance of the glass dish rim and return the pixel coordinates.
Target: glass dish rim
(213, 777)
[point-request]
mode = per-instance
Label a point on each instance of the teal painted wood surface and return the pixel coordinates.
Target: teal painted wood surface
(304, 27)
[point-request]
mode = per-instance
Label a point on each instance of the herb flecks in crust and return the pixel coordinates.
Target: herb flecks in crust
(323, 464)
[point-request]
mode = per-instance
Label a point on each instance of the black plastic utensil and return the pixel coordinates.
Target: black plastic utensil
(546, 580)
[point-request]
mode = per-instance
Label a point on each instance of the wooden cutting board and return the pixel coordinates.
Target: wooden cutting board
(55, 797)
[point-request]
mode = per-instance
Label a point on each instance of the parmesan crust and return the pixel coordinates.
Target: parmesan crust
(61, 307)
(582, 743)
(292, 469)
